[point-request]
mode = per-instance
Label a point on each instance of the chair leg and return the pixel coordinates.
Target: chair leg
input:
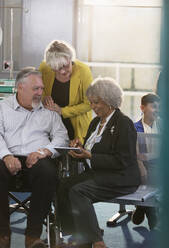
(58, 236)
(19, 206)
(122, 212)
(48, 231)
(54, 238)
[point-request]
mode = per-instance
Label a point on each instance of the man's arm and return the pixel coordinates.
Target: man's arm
(4, 151)
(58, 135)
(13, 164)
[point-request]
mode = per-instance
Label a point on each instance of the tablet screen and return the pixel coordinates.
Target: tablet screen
(67, 149)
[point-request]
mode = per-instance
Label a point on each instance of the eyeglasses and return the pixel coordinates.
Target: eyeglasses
(64, 67)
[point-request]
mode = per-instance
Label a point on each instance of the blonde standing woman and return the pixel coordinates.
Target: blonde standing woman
(66, 80)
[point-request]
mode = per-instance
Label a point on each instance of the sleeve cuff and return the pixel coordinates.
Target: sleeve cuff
(55, 154)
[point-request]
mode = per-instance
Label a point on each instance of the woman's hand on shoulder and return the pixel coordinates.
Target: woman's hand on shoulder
(49, 104)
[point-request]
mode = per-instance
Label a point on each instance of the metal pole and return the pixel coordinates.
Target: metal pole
(11, 59)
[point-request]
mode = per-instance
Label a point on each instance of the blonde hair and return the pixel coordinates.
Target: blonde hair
(58, 54)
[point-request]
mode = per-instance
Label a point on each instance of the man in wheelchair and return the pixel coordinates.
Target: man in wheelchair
(28, 135)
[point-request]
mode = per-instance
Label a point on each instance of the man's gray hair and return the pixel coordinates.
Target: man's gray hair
(107, 89)
(24, 73)
(58, 53)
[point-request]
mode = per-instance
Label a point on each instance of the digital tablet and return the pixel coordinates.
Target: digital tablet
(67, 149)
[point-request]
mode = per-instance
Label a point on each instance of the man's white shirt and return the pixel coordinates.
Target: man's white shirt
(23, 131)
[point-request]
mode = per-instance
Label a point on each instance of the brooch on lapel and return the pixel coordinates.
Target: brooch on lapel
(112, 130)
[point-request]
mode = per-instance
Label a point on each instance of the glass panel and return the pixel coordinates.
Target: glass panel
(119, 33)
(121, 39)
(124, 32)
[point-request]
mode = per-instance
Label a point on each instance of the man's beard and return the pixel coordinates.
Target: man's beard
(36, 103)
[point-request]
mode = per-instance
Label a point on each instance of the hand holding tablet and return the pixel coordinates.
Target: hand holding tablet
(67, 149)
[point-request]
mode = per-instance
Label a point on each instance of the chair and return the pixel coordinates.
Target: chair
(145, 195)
(19, 205)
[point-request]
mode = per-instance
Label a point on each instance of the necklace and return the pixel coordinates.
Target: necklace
(101, 124)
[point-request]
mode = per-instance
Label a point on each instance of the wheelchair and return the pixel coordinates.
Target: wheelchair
(68, 167)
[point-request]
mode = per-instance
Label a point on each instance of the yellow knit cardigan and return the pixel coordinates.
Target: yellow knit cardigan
(78, 110)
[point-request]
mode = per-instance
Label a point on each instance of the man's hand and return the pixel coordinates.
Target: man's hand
(13, 164)
(33, 157)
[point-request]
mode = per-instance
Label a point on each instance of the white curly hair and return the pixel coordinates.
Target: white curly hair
(107, 89)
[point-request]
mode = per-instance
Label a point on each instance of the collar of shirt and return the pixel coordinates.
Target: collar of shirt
(148, 129)
(104, 126)
(16, 105)
(95, 137)
(108, 118)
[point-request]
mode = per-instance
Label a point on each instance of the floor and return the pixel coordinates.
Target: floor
(124, 235)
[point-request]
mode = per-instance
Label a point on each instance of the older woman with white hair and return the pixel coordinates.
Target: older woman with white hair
(66, 80)
(109, 155)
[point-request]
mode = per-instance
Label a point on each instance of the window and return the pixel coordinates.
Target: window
(121, 39)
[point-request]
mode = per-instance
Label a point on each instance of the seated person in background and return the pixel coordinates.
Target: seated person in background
(28, 135)
(149, 123)
(109, 154)
(66, 80)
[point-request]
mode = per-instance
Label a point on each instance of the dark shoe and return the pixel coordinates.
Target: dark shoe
(33, 242)
(151, 217)
(4, 241)
(138, 215)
